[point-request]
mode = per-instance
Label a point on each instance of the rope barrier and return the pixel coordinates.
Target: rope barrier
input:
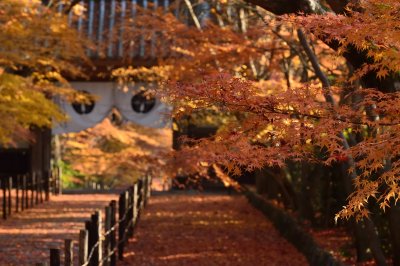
(112, 252)
(102, 236)
(113, 228)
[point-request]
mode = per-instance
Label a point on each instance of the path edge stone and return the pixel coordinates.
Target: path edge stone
(292, 231)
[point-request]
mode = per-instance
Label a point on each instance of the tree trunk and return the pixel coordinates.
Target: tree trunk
(394, 226)
(365, 233)
(305, 206)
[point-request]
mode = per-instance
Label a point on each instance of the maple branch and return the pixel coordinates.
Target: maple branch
(290, 6)
(277, 34)
(193, 15)
(272, 110)
(317, 69)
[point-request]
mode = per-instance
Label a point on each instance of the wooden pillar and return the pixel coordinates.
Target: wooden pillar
(68, 252)
(107, 239)
(122, 224)
(17, 186)
(96, 229)
(91, 240)
(23, 188)
(36, 187)
(9, 187)
(83, 246)
(113, 235)
(4, 187)
(130, 212)
(32, 187)
(47, 176)
(55, 258)
(135, 202)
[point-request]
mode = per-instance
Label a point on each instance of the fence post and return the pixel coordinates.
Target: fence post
(37, 185)
(96, 229)
(55, 258)
(47, 185)
(9, 195)
(68, 252)
(149, 181)
(32, 187)
(130, 212)
(23, 181)
(140, 198)
(83, 246)
(24, 197)
(3, 186)
(122, 224)
(89, 228)
(113, 209)
(41, 187)
(145, 189)
(135, 202)
(107, 244)
(17, 184)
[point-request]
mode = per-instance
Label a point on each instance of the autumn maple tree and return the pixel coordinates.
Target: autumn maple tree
(287, 97)
(37, 49)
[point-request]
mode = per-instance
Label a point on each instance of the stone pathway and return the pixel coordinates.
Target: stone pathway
(207, 229)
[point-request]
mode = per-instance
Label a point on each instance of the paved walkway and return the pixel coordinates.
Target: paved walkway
(183, 229)
(175, 229)
(26, 237)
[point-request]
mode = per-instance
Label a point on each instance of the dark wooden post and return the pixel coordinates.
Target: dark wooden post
(68, 252)
(145, 189)
(3, 186)
(17, 184)
(148, 194)
(28, 178)
(36, 187)
(91, 241)
(32, 187)
(55, 258)
(23, 192)
(122, 224)
(96, 229)
(130, 212)
(140, 198)
(41, 187)
(9, 195)
(107, 242)
(113, 240)
(83, 246)
(135, 203)
(47, 185)
(22, 180)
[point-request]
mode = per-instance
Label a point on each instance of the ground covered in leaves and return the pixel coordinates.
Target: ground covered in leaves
(26, 237)
(207, 229)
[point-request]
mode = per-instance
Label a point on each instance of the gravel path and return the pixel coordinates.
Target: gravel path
(206, 229)
(26, 237)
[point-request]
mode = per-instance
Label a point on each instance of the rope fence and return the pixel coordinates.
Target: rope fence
(104, 246)
(22, 192)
